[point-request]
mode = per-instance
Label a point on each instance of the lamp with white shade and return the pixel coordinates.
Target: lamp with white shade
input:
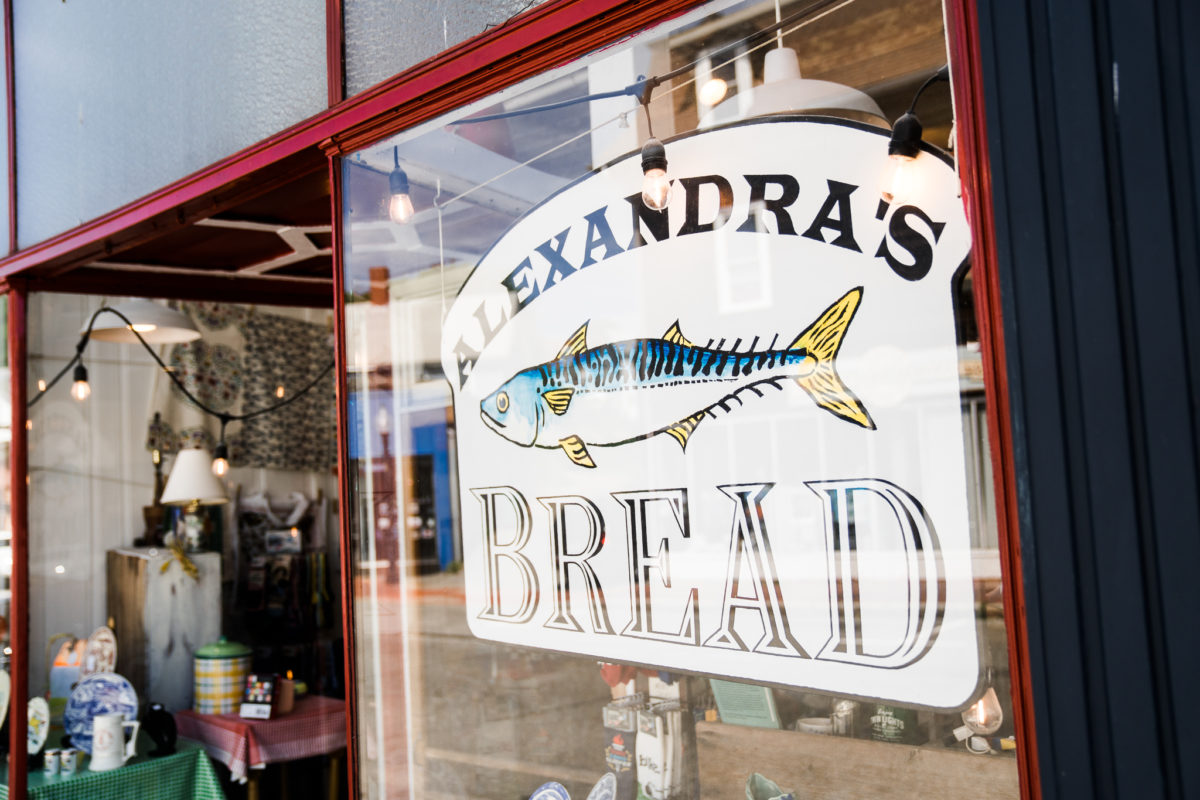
(190, 485)
(784, 91)
(156, 323)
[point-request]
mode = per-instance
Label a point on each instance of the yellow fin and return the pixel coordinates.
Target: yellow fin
(821, 341)
(576, 450)
(675, 336)
(823, 338)
(558, 399)
(827, 389)
(684, 428)
(576, 344)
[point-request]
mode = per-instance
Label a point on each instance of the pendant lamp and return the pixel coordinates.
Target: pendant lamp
(783, 91)
(156, 323)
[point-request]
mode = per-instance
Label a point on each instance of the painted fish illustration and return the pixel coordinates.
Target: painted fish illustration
(626, 391)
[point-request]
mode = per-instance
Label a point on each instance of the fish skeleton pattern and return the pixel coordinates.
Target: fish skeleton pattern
(625, 391)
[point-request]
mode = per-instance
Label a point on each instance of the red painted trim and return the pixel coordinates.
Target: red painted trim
(971, 125)
(18, 620)
(335, 63)
(10, 99)
(345, 493)
(545, 36)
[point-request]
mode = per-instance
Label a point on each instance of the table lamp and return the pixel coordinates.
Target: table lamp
(190, 485)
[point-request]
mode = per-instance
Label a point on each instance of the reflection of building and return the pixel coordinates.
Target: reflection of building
(1082, 208)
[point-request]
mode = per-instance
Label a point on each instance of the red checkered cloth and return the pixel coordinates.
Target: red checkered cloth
(316, 725)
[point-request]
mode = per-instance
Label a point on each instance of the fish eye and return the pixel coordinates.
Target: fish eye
(502, 402)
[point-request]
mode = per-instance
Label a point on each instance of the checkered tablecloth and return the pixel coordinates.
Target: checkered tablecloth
(317, 725)
(185, 775)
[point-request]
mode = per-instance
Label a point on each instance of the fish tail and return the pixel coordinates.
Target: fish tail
(821, 341)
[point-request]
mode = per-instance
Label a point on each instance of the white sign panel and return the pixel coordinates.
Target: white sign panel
(725, 438)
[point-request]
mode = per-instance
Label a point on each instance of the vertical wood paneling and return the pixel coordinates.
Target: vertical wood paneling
(1093, 173)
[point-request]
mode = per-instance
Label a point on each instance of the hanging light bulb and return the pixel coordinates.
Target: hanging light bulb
(985, 716)
(901, 179)
(400, 207)
(80, 389)
(656, 186)
(904, 147)
(279, 391)
(220, 464)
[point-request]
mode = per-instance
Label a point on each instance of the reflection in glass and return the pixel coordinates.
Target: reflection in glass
(443, 711)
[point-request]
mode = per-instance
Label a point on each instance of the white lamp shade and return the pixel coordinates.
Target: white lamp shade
(155, 322)
(192, 481)
(784, 91)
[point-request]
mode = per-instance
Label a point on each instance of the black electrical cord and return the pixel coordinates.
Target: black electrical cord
(225, 418)
(942, 74)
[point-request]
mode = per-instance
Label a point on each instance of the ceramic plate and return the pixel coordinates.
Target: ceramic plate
(550, 791)
(101, 693)
(5, 690)
(605, 788)
(39, 724)
(101, 653)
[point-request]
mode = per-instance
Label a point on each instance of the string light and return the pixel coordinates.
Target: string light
(80, 389)
(986, 715)
(656, 185)
(220, 463)
(904, 147)
(400, 206)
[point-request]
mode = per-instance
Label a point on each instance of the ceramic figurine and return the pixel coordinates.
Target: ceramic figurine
(159, 725)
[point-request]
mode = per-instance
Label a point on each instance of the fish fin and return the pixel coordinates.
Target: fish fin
(576, 450)
(821, 341)
(675, 336)
(827, 389)
(684, 428)
(823, 338)
(576, 344)
(558, 399)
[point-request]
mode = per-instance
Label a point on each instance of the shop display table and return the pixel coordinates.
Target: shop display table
(316, 726)
(184, 775)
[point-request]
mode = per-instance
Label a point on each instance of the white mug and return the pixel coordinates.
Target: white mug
(109, 749)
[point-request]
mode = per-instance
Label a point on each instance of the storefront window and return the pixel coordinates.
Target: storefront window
(699, 497)
(159, 578)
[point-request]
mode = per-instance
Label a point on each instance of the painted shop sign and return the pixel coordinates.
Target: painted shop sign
(727, 437)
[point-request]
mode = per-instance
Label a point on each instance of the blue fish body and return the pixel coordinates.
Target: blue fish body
(630, 390)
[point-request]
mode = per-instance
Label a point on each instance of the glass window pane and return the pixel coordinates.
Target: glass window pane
(249, 553)
(698, 497)
(114, 102)
(384, 37)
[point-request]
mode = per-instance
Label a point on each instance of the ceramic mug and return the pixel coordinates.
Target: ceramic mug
(109, 748)
(50, 765)
(69, 759)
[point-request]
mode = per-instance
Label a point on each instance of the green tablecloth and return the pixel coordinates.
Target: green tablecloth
(186, 775)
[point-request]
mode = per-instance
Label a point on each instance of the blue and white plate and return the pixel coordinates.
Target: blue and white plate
(99, 693)
(550, 791)
(605, 788)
